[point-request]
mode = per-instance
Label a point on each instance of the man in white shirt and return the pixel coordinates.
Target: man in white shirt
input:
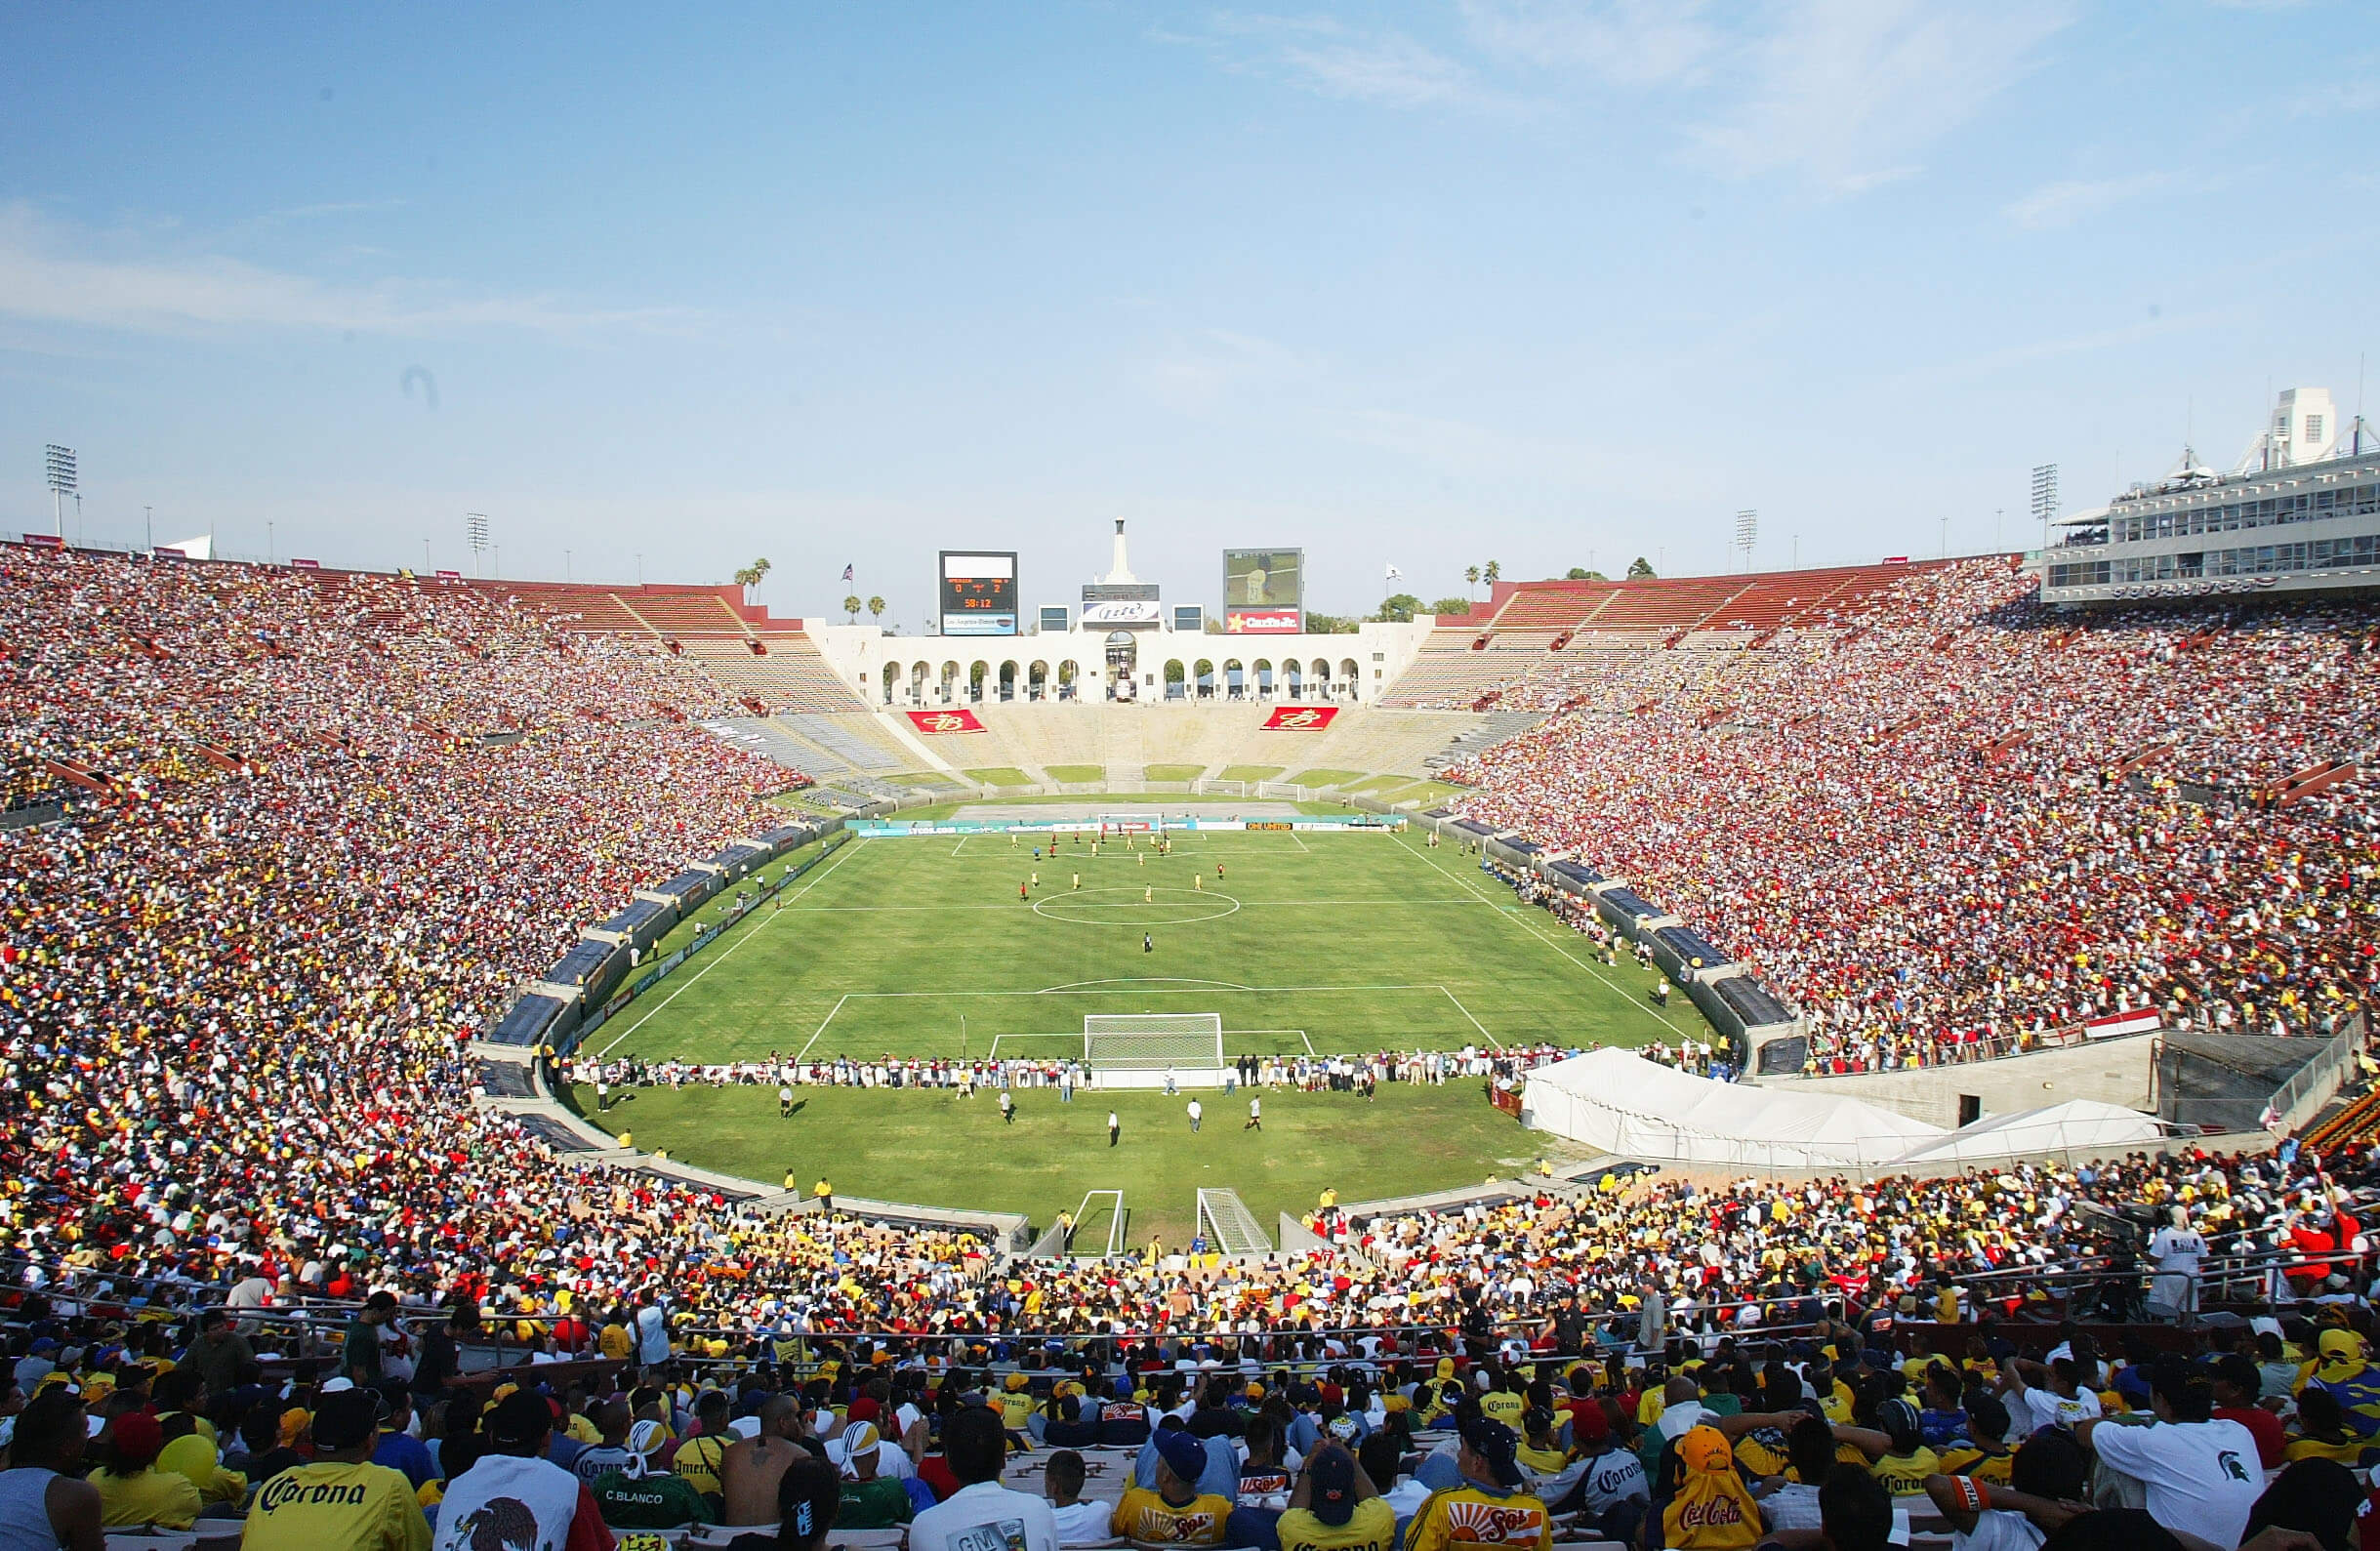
(1198, 1112)
(1078, 1523)
(982, 1515)
(2177, 1249)
(2198, 1474)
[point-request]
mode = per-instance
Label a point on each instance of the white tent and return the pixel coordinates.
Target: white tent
(1635, 1107)
(2079, 1128)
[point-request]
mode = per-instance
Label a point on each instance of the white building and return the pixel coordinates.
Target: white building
(2299, 512)
(1122, 645)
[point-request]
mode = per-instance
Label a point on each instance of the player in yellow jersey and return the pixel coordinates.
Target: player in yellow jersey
(1488, 1506)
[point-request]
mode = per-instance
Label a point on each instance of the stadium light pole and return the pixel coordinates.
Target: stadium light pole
(57, 463)
(148, 527)
(2044, 497)
(1747, 532)
(474, 534)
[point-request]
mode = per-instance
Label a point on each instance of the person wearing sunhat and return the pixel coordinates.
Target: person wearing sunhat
(1335, 1507)
(1489, 1490)
(1703, 1501)
(2342, 1368)
(1173, 1511)
(341, 1498)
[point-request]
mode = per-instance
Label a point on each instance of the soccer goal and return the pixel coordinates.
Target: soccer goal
(1153, 1041)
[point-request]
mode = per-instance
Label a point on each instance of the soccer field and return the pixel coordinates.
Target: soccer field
(922, 947)
(1323, 942)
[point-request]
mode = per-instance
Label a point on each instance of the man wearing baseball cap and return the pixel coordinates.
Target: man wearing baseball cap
(1335, 1506)
(341, 1498)
(1488, 1504)
(1175, 1510)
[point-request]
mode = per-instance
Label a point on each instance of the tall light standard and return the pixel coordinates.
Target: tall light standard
(58, 462)
(148, 527)
(1747, 533)
(2044, 497)
(474, 536)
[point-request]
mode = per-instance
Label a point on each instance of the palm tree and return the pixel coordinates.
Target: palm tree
(750, 576)
(850, 606)
(1471, 575)
(1491, 573)
(876, 609)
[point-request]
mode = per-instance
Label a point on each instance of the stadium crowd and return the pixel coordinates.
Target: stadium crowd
(1957, 820)
(321, 827)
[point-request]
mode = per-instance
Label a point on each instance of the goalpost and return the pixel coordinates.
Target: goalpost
(1153, 1041)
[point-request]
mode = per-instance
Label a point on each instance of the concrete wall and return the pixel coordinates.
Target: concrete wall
(859, 653)
(2111, 1071)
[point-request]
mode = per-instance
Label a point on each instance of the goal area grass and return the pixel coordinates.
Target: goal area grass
(1300, 942)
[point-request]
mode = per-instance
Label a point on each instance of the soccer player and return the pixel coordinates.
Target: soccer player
(1114, 1126)
(1020, 891)
(1218, 872)
(1255, 1114)
(1148, 943)
(1037, 878)
(1198, 881)
(785, 1100)
(1148, 896)
(1077, 880)
(1007, 1108)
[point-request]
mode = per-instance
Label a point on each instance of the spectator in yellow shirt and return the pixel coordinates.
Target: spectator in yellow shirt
(1335, 1507)
(341, 1500)
(132, 1489)
(1176, 1512)
(1488, 1506)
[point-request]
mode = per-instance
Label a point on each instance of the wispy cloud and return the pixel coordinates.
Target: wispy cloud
(2065, 202)
(1848, 90)
(1333, 59)
(1630, 42)
(54, 273)
(1203, 371)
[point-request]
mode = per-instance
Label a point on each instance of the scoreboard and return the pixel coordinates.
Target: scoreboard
(978, 592)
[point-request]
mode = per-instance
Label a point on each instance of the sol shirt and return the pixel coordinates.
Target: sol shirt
(1474, 1515)
(1145, 1515)
(367, 1507)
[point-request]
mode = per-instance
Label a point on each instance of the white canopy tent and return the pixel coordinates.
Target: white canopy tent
(2076, 1128)
(1630, 1107)
(1634, 1108)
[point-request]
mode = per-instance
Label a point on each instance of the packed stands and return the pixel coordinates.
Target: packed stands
(1948, 817)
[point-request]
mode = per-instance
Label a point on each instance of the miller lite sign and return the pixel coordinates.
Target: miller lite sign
(1300, 718)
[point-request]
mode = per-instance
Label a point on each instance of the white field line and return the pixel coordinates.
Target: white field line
(832, 862)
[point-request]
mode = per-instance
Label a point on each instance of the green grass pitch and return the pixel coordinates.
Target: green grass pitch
(921, 947)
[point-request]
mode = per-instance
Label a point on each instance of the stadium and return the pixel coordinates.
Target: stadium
(1217, 1050)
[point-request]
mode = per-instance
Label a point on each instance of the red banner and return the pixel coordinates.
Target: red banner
(945, 722)
(1300, 718)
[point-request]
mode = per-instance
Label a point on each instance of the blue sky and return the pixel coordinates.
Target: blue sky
(1425, 285)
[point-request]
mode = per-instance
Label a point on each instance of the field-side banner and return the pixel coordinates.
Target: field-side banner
(1300, 718)
(945, 722)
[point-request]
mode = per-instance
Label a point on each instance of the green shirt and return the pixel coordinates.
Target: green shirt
(879, 1504)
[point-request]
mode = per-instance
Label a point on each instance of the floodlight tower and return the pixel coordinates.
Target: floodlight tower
(1747, 533)
(58, 464)
(2045, 497)
(475, 536)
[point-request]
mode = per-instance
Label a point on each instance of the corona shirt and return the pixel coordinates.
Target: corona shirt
(366, 1507)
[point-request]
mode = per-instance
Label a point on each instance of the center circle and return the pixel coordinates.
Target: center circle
(1165, 907)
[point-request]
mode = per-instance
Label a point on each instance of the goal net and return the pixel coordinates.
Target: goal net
(1151, 1041)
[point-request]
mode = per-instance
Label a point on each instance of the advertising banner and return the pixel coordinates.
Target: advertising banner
(1263, 592)
(1120, 614)
(1300, 718)
(944, 721)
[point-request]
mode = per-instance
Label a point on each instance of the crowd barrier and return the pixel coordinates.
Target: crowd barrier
(1133, 824)
(592, 980)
